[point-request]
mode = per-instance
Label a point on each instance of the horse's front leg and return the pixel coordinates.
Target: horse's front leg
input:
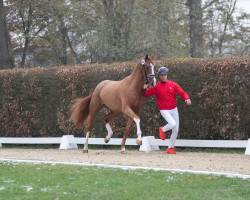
(128, 111)
(137, 121)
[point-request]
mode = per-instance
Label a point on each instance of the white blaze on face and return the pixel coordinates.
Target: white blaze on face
(153, 72)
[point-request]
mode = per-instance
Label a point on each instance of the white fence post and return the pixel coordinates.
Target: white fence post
(247, 152)
(65, 143)
(146, 144)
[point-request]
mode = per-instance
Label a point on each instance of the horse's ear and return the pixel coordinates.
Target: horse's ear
(146, 57)
(153, 55)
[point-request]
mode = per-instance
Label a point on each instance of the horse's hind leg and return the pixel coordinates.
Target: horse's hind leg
(85, 148)
(106, 121)
(127, 130)
(94, 108)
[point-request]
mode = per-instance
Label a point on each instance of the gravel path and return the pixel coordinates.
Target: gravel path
(214, 162)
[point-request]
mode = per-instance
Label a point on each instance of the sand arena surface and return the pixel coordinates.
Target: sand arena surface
(214, 162)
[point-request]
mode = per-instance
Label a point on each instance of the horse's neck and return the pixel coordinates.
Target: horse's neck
(137, 78)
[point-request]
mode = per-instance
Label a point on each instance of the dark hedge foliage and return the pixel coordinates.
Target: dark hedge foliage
(35, 102)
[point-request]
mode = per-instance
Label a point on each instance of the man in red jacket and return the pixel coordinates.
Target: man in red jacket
(165, 93)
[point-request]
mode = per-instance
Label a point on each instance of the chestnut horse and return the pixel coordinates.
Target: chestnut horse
(121, 97)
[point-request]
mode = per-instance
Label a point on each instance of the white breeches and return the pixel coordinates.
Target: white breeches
(172, 117)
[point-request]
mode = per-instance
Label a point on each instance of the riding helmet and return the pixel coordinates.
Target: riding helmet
(162, 70)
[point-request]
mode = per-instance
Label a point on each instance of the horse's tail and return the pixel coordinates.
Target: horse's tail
(80, 111)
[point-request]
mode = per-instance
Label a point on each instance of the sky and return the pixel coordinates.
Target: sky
(244, 4)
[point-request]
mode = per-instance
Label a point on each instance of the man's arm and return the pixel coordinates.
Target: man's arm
(148, 92)
(183, 94)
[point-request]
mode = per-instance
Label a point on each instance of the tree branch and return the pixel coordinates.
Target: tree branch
(209, 4)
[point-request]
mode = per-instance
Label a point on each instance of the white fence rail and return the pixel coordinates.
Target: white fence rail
(38, 140)
(149, 143)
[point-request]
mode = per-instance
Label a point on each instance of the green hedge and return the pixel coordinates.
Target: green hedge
(35, 102)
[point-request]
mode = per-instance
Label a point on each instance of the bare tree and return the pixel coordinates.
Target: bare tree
(229, 11)
(226, 33)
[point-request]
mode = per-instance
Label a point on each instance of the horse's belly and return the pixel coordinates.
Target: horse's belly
(110, 96)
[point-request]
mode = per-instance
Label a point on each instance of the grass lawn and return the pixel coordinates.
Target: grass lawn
(46, 181)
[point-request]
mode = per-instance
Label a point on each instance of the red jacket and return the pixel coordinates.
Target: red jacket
(165, 94)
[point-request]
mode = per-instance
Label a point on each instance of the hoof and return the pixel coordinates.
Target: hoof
(123, 152)
(138, 142)
(105, 140)
(85, 151)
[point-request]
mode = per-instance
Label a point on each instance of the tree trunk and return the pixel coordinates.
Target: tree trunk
(25, 49)
(64, 56)
(195, 26)
(26, 29)
(6, 57)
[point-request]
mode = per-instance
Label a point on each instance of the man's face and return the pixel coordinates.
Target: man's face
(163, 77)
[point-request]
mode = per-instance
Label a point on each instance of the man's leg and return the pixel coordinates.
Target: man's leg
(174, 113)
(169, 118)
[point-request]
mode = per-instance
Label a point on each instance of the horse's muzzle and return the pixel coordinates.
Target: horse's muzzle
(152, 80)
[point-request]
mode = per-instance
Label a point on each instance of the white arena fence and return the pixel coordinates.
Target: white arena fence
(149, 143)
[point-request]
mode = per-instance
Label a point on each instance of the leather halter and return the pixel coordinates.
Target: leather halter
(147, 75)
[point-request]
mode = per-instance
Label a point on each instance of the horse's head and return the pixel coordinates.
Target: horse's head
(148, 64)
